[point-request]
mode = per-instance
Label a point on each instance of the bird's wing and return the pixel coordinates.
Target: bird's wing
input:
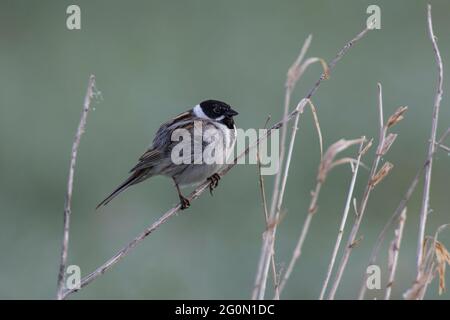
(162, 142)
(150, 158)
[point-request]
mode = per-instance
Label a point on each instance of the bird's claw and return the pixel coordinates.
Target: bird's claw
(185, 203)
(214, 182)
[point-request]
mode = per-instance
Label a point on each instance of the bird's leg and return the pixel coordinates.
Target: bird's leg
(183, 200)
(213, 182)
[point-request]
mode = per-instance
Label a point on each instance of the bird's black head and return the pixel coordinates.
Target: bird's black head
(219, 111)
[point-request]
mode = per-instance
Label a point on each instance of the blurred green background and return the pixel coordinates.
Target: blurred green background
(154, 59)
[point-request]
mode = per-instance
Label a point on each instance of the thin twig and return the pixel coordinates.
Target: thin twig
(443, 147)
(343, 221)
(266, 215)
(393, 254)
(293, 75)
(68, 202)
(317, 125)
(285, 176)
(361, 210)
(261, 181)
(325, 166)
(428, 268)
(269, 239)
(434, 123)
(395, 216)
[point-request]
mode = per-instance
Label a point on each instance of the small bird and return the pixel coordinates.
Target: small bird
(218, 132)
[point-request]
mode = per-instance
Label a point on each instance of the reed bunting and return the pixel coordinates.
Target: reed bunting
(218, 133)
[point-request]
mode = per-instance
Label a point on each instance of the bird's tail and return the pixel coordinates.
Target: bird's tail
(125, 185)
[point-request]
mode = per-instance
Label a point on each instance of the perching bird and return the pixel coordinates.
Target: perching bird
(210, 126)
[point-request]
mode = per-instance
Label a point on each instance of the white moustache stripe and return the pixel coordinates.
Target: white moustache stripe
(199, 112)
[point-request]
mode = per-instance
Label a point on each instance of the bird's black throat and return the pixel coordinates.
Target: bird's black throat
(228, 121)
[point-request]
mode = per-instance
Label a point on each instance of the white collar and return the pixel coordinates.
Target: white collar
(198, 112)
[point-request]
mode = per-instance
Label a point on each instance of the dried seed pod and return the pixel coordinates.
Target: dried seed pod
(381, 174)
(396, 117)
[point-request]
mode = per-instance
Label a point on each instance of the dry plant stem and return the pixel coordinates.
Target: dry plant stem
(267, 249)
(395, 250)
(326, 165)
(429, 260)
(68, 201)
(430, 276)
(343, 222)
(395, 216)
(298, 248)
(269, 234)
(288, 162)
(200, 189)
(125, 250)
(445, 148)
(290, 84)
(266, 219)
(261, 181)
(362, 208)
(300, 107)
(269, 239)
(428, 268)
(432, 145)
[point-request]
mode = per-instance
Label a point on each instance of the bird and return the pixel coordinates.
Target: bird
(218, 133)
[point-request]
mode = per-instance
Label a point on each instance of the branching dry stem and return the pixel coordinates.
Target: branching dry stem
(68, 203)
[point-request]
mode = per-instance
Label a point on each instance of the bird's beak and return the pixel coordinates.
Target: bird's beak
(231, 113)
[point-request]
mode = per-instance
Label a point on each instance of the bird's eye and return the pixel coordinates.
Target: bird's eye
(217, 110)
